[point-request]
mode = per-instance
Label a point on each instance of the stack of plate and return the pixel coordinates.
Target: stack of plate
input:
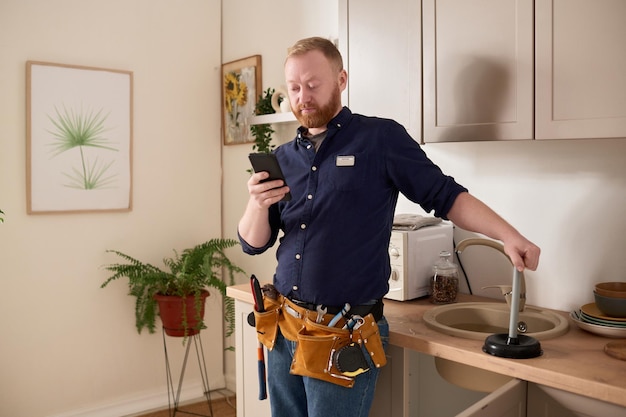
(591, 319)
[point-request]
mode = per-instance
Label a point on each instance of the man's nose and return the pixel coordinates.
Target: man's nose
(304, 96)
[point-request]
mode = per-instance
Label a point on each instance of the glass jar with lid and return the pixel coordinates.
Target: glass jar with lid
(444, 284)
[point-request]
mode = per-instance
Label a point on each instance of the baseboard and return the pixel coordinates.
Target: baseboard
(231, 383)
(143, 403)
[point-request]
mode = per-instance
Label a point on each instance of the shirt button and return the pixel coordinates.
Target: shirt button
(298, 256)
(338, 124)
(309, 197)
(295, 288)
(303, 226)
(313, 168)
(308, 147)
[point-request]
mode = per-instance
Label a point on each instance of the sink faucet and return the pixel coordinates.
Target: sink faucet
(505, 289)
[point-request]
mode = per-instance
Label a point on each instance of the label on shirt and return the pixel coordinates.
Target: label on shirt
(344, 161)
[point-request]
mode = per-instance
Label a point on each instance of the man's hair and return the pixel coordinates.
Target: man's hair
(316, 43)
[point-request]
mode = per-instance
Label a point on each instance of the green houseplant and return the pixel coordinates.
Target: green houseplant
(263, 133)
(186, 278)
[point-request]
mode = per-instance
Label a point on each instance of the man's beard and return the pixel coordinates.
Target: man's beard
(323, 115)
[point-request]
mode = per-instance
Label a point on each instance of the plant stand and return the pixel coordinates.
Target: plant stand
(174, 397)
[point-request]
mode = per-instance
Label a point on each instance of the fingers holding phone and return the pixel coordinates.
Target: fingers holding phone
(266, 191)
(274, 183)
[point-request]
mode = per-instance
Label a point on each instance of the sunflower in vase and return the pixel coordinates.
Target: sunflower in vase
(235, 97)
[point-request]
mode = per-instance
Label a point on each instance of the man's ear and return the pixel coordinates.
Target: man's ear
(343, 79)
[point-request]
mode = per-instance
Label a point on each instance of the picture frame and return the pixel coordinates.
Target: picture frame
(241, 86)
(79, 130)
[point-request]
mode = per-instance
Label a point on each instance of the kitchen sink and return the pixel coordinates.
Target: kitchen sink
(477, 320)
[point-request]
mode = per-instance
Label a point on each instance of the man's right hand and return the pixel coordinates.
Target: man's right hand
(254, 225)
(264, 194)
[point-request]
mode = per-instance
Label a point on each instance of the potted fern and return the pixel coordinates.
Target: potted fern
(180, 289)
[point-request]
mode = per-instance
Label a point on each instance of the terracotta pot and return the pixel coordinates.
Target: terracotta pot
(171, 312)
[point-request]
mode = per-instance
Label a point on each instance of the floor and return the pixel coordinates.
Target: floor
(222, 403)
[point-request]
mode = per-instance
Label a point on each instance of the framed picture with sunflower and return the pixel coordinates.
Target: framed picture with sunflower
(79, 126)
(241, 80)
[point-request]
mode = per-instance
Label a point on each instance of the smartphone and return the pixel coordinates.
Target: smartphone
(268, 162)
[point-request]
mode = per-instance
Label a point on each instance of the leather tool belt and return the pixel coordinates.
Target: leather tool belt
(332, 354)
(376, 308)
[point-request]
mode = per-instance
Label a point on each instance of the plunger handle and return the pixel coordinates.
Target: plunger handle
(515, 300)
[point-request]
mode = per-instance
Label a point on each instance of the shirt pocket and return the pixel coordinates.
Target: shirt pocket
(346, 176)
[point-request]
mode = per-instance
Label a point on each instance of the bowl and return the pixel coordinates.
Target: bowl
(611, 306)
(611, 289)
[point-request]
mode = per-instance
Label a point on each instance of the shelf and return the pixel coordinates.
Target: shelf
(272, 118)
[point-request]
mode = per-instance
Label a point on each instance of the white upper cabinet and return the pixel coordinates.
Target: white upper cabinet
(490, 69)
(478, 70)
(381, 44)
(580, 69)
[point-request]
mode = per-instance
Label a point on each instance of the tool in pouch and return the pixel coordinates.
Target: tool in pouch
(321, 312)
(259, 307)
(350, 360)
(339, 315)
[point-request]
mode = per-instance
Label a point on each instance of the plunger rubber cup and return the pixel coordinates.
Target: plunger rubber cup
(521, 347)
(512, 345)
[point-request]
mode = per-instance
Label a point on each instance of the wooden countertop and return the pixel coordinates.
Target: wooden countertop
(574, 362)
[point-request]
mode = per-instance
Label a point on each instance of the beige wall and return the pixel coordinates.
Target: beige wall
(69, 347)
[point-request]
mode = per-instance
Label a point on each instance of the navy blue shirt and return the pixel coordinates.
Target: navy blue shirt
(337, 226)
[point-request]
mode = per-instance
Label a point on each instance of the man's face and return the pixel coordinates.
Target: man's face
(314, 89)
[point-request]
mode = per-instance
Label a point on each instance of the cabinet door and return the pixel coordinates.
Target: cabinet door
(507, 401)
(478, 70)
(581, 69)
(391, 397)
(248, 403)
(381, 42)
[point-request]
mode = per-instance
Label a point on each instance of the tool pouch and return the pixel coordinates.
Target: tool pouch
(368, 334)
(266, 323)
(292, 319)
(319, 345)
(279, 312)
(314, 353)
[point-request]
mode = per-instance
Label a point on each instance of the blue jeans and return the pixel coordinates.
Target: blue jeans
(298, 396)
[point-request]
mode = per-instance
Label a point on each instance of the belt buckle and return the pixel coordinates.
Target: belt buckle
(300, 303)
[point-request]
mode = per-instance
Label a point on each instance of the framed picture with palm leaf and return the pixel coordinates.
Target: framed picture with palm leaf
(78, 138)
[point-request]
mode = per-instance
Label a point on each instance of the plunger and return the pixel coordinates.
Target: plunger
(512, 345)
